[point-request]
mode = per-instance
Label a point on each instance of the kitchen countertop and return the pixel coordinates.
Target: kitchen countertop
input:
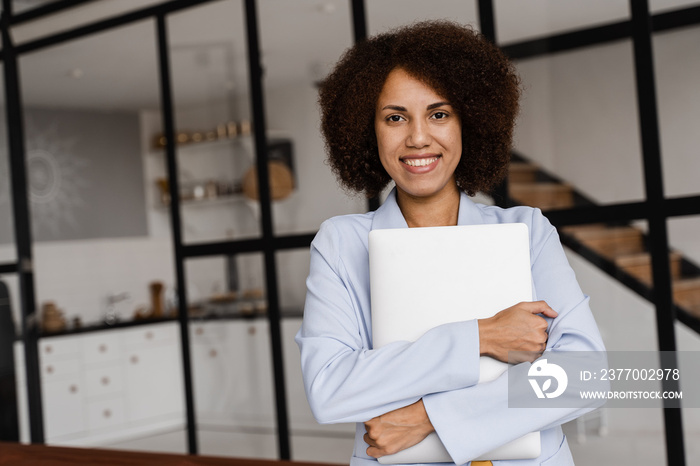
(208, 316)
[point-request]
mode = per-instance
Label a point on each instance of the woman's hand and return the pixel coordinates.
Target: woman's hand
(397, 430)
(518, 328)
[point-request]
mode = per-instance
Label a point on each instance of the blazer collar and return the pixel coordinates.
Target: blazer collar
(389, 214)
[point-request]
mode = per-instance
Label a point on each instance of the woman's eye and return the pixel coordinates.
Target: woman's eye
(395, 118)
(440, 115)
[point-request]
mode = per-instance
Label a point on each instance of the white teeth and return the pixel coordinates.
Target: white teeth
(419, 162)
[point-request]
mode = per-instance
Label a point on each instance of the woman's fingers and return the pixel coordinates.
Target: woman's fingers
(520, 328)
(538, 307)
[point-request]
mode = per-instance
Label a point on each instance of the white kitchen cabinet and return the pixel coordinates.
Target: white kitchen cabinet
(64, 407)
(154, 383)
(233, 377)
(212, 377)
(107, 386)
(232, 374)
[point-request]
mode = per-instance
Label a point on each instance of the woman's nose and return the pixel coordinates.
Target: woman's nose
(419, 135)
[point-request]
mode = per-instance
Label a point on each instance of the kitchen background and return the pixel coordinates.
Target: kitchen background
(102, 233)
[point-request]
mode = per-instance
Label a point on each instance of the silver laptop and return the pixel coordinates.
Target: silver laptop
(424, 277)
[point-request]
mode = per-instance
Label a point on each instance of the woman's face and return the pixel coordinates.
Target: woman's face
(418, 135)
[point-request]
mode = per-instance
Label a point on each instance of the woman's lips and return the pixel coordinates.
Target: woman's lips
(420, 164)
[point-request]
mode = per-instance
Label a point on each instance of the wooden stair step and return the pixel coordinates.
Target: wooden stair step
(686, 294)
(639, 265)
(522, 172)
(610, 242)
(543, 195)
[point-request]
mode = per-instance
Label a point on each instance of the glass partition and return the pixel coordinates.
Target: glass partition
(8, 251)
(71, 17)
(517, 21)
(330, 443)
(662, 6)
(627, 322)
(231, 358)
(578, 126)
(683, 238)
(392, 13)
(676, 64)
(299, 46)
(215, 149)
(103, 255)
(685, 257)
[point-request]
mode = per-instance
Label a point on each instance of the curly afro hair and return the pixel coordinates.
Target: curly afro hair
(459, 63)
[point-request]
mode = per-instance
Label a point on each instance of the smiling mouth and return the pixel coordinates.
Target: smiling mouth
(419, 162)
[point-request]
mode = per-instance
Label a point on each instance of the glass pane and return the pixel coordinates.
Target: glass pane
(517, 21)
(310, 441)
(71, 17)
(662, 6)
(227, 285)
(685, 253)
(391, 13)
(579, 126)
(8, 251)
(231, 356)
(292, 270)
(19, 6)
(215, 142)
(627, 322)
(676, 64)
(103, 255)
(299, 47)
(683, 239)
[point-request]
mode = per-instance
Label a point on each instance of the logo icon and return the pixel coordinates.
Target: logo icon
(541, 369)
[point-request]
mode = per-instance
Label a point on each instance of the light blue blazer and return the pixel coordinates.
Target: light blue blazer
(348, 381)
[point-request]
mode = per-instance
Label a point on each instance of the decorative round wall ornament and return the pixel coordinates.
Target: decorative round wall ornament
(45, 176)
(56, 180)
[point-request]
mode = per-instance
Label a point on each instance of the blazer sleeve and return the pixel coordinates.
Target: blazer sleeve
(474, 420)
(347, 381)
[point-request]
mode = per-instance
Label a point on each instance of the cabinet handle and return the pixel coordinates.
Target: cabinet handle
(199, 331)
(251, 330)
(48, 349)
(134, 359)
(212, 353)
(49, 369)
(149, 335)
(105, 380)
(102, 348)
(73, 389)
(107, 413)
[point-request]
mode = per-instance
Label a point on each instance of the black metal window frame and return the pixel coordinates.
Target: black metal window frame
(656, 208)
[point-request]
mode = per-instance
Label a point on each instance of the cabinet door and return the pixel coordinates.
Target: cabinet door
(103, 347)
(64, 403)
(104, 381)
(248, 348)
(106, 414)
(154, 383)
(212, 373)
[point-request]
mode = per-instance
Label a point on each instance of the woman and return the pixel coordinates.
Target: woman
(430, 107)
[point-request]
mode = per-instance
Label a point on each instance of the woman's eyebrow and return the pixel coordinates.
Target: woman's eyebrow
(398, 108)
(436, 105)
(394, 107)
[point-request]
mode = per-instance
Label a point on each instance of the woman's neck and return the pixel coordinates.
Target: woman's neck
(441, 209)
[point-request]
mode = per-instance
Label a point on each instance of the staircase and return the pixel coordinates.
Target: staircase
(618, 249)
